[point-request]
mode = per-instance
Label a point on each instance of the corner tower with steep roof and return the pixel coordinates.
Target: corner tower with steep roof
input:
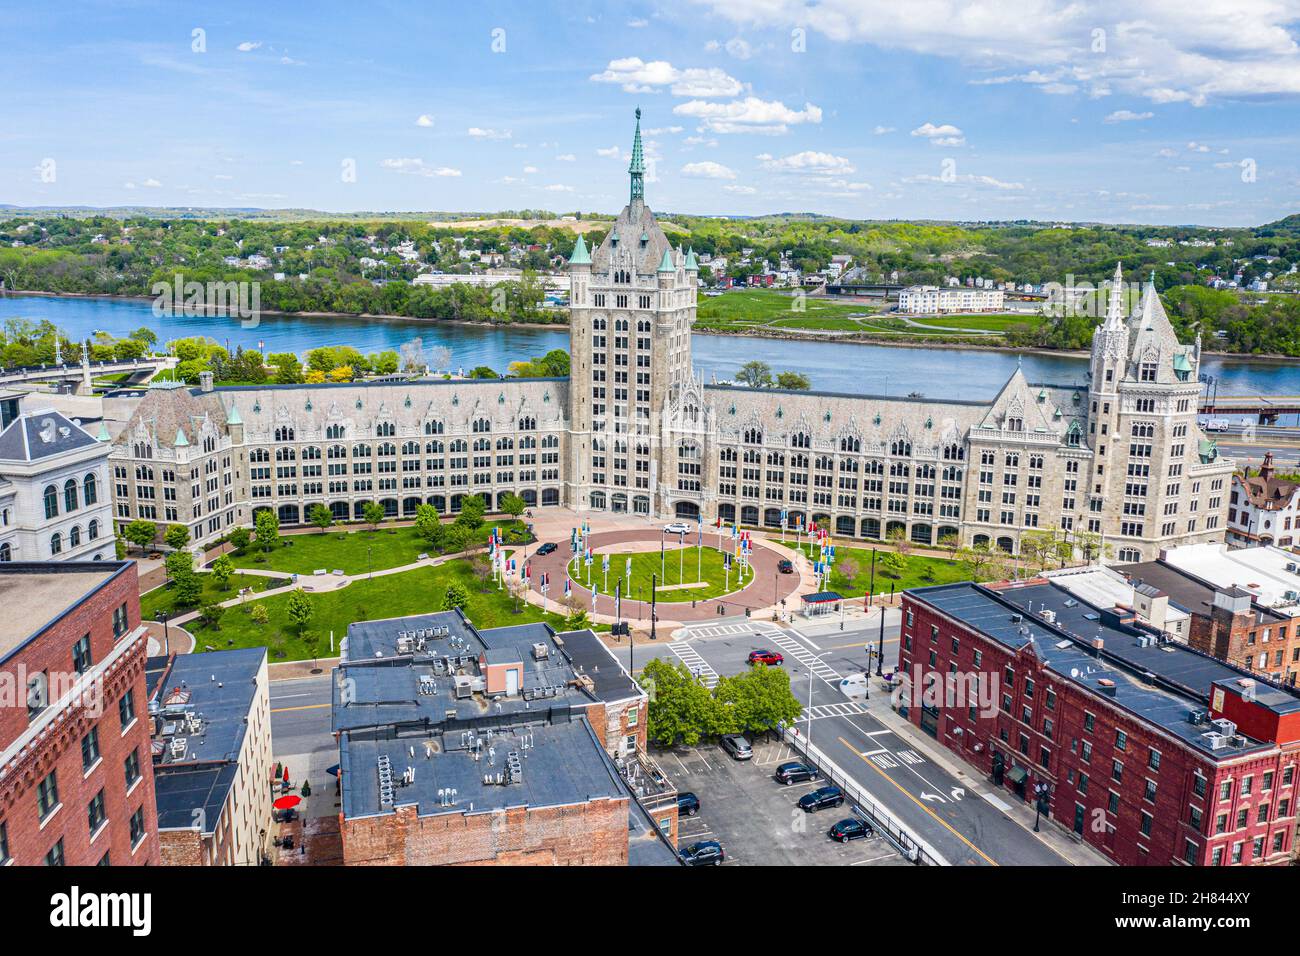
(632, 305)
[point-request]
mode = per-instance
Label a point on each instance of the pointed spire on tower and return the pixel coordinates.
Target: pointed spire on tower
(637, 167)
(580, 255)
(666, 264)
(1115, 305)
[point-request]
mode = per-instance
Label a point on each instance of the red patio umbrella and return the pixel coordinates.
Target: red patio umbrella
(287, 802)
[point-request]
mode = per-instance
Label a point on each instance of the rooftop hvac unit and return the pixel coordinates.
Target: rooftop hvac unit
(1197, 717)
(1215, 741)
(1049, 616)
(1224, 726)
(540, 651)
(1290, 566)
(177, 747)
(464, 686)
(1291, 595)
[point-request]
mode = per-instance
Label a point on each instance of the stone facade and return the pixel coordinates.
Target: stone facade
(1118, 465)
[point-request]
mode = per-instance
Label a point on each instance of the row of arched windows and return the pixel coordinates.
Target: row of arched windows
(89, 495)
(73, 539)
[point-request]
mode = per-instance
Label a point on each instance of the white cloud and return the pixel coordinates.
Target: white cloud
(1126, 116)
(566, 158)
(223, 176)
(416, 167)
(424, 119)
(637, 23)
(1159, 50)
(635, 75)
(740, 190)
(944, 135)
(1197, 147)
(479, 132)
(1166, 152)
(152, 184)
(530, 169)
(882, 130)
(965, 179)
(661, 130)
(608, 151)
(708, 170)
(248, 46)
(807, 162)
(558, 188)
(750, 115)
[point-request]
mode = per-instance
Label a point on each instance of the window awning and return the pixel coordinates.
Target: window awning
(1017, 775)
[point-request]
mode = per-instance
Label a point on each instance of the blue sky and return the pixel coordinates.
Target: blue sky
(1041, 109)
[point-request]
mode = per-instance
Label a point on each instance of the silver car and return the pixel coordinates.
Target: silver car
(737, 746)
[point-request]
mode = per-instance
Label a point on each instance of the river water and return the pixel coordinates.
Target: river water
(831, 366)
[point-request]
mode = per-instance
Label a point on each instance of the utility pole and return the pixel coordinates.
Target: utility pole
(654, 616)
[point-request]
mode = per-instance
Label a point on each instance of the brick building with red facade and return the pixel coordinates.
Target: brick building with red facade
(514, 745)
(76, 780)
(1152, 752)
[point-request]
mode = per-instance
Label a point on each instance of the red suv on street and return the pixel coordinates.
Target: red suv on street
(770, 658)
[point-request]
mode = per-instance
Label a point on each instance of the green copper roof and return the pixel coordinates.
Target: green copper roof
(1181, 364)
(103, 433)
(181, 441)
(691, 264)
(666, 264)
(232, 416)
(637, 167)
(580, 256)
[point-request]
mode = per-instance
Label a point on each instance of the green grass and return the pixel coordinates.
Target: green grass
(921, 571)
(162, 599)
(419, 591)
(985, 323)
(352, 552)
(737, 309)
(678, 568)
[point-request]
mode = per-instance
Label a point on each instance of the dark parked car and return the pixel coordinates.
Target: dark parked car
(546, 549)
(688, 804)
(821, 798)
(850, 829)
(785, 566)
(770, 658)
(704, 853)
(794, 772)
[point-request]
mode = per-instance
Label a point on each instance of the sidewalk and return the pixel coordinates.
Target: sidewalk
(1062, 842)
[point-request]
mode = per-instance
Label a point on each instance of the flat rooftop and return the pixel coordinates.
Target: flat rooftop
(218, 688)
(35, 594)
(1159, 681)
(1269, 574)
(555, 764)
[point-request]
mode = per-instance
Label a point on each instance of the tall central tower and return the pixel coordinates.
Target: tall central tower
(632, 305)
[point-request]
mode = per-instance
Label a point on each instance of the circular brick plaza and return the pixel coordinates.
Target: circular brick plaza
(768, 588)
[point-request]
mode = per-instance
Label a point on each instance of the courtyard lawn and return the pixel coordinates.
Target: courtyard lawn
(419, 591)
(352, 552)
(162, 599)
(679, 567)
(920, 571)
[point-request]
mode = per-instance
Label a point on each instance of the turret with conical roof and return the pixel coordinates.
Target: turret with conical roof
(580, 255)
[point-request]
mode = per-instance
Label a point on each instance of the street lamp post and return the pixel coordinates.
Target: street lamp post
(815, 660)
(880, 652)
(167, 645)
(1041, 790)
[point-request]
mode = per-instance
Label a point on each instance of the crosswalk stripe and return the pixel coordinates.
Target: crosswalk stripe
(697, 664)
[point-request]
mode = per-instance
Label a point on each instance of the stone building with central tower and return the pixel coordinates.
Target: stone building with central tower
(1118, 465)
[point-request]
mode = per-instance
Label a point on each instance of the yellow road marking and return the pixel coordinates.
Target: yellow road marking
(920, 804)
(281, 710)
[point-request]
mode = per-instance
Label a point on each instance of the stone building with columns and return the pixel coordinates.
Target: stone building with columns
(1118, 462)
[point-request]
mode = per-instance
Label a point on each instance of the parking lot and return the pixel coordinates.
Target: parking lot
(755, 818)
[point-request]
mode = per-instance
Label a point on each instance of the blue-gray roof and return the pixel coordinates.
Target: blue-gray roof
(1159, 681)
(39, 434)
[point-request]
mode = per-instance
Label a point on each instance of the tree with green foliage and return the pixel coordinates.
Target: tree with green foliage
(456, 538)
(299, 609)
(456, 597)
(483, 371)
(321, 517)
(472, 511)
(223, 569)
(755, 374)
(759, 700)
(681, 708)
(239, 539)
(980, 560)
(893, 565)
(210, 615)
(795, 381)
(140, 533)
(373, 513)
(176, 536)
(513, 505)
(178, 562)
(266, 528)
(259, 614)
(428, 523)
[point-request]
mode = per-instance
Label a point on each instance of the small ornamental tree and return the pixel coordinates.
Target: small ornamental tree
(321, 517)
(373, 514)
(299, 609)
(176, 536)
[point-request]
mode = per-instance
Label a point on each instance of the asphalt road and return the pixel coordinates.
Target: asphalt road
(300, 717)
(956, 815)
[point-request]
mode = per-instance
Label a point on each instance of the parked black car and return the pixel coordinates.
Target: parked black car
(704, 853)
(785, 566)
(821, 798)
(794, 772)
(546, 549)
(850, 829)
(688, 804)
